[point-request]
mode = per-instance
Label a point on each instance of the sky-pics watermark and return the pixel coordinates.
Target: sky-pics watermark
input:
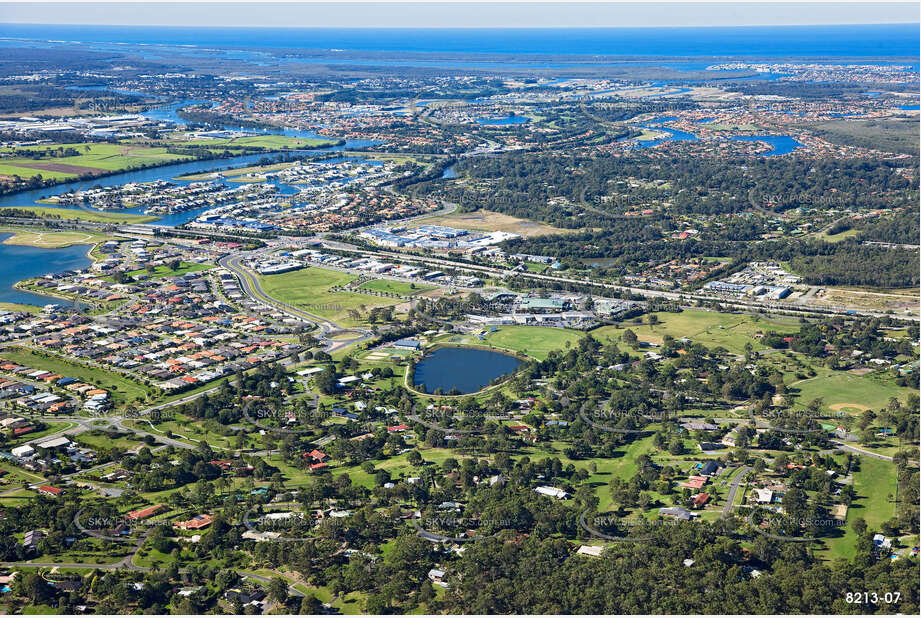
(116, 528)
(279, 420)
(794, 416)
(440, 420)
(632, 529)
(273, 526)
(613, 420)
(785, 524)
(457, 529)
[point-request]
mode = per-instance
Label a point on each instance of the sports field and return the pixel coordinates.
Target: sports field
(846, 392)
(534, 341)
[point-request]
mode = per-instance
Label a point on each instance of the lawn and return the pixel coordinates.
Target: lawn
(729, 330)
(535, 341)
(309, 289)
(396, 287)
(166, 271)
(47, 212)
(92, 159)
(874, 482)
(18, 307)
(121, 389)
(841, 388)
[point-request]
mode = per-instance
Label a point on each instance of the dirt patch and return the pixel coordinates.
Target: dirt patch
(860, 372)
(847, 407)
(63, 168)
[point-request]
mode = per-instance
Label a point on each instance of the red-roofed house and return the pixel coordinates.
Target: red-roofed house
(145, 513)
(48, 490)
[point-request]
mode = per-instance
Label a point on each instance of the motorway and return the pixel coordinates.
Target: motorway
(683, 297)
(251, 286)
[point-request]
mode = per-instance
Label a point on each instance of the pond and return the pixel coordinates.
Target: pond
(466, 369)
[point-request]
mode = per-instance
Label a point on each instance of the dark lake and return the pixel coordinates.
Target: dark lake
(467, 369)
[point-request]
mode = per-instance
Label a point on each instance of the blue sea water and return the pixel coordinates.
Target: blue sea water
(880, 40)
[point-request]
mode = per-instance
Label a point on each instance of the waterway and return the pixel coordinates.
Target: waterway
(170, 172)
(466, 369)
(18, 262)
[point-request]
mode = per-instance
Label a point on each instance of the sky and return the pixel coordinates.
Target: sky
(458, 15)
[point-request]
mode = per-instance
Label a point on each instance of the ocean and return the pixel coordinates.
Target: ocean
(854, 41)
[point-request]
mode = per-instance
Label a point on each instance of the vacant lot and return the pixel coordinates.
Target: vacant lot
(488, 221)
(52, 240)
(309, 289)
(396, 287)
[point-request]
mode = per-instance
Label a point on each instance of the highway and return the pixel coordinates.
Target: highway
(251, 286)
(682, 297)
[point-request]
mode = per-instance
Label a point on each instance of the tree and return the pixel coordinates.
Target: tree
(859, 526)
(278, 589)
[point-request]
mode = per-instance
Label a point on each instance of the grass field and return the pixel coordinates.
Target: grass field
(488, 221)
(874, 482)
(269, 142)
(536, 341)
(93, 159)
(166, 271)
(51, 240)
(85, 215)
(709, 328)
(396, 287)
(839, 389)
(18, 307)
(309, 289)
(122, 390)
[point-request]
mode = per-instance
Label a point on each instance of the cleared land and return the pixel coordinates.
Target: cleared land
(396, 287)
(309, 289)
(488, 221)
(93, 159)
(51, 240)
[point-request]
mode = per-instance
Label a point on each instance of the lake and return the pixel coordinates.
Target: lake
(466, 369)
(18, 262)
